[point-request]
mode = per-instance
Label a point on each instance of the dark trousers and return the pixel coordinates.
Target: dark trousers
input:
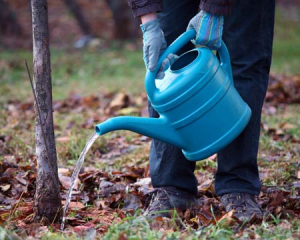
(248, 34)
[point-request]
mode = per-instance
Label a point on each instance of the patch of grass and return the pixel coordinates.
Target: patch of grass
(286, 121)
(286, 46)
(279, 157)
(133, 228)
(83, 72)
(137, 227)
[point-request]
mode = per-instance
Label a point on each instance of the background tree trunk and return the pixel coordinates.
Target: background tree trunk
(47, 202)
(76, 10)
(8, 21)
(126, 26)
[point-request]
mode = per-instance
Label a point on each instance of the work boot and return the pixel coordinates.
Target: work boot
(244, 205)
(165, 200)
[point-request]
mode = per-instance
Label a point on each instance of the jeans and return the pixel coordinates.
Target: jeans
(248, 35)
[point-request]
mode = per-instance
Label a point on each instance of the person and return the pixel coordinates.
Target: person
(246, 27)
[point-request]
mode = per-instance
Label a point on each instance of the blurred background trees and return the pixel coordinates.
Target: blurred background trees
(8, 21)
(75, 22)
(70, 21)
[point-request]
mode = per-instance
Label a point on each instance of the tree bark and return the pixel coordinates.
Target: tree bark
(47, 202)
(126, 26)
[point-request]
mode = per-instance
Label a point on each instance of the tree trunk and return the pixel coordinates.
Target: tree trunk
(126, 26)
(47, 202)
(75, 9)
(8, 21)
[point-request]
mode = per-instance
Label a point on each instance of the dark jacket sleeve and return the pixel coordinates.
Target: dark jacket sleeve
(142, 7)
(219, 7)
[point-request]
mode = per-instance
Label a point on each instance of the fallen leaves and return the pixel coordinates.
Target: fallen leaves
(283, 89)
(121, 100)
(100, 197)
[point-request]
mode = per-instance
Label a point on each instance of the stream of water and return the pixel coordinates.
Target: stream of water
(75, 175)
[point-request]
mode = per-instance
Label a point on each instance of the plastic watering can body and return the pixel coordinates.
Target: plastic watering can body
(200, 110)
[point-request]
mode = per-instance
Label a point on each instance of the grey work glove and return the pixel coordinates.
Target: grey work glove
(166, 63)
(154, 43)
(209, 29)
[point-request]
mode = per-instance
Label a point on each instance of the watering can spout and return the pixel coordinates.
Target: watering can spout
(156, 128)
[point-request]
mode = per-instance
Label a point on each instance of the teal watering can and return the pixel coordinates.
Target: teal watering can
(200, 110)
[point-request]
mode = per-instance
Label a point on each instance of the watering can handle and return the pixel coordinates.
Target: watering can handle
(225, 60)
(173, 48)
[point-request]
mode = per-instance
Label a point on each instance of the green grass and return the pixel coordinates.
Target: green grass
(286, 46)
(83, 72)
(278, 155)
(138, 228)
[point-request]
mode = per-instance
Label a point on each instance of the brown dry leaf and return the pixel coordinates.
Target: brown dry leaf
(277, 210)
(20, 224)
(102, 204)
(279, 132)
(63, 171)
(266, 173)
(9, 173)
(121, 100)
(63, 139)
(130, 175)
(205, 216)
(84, 228)
(283, 89)
(21, 180)
(142, 182)
(142, 99)
(115, 188)
(276, 198)
(40, 231)
(26, 106)
(74, 205)
(25, 208)
(162, 224)
(288, 214)
(123, 236)
(227, 218)
(66, 182)
(286, 125)
(121, 214)
(131, 202)
(91, 101)
(5, 187)
(207, 185)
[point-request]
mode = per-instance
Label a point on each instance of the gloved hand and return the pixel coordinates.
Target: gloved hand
(166, 63)
(154, 43)
(209, 28)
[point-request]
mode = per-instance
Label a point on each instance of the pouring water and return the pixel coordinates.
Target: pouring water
(75, 175)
